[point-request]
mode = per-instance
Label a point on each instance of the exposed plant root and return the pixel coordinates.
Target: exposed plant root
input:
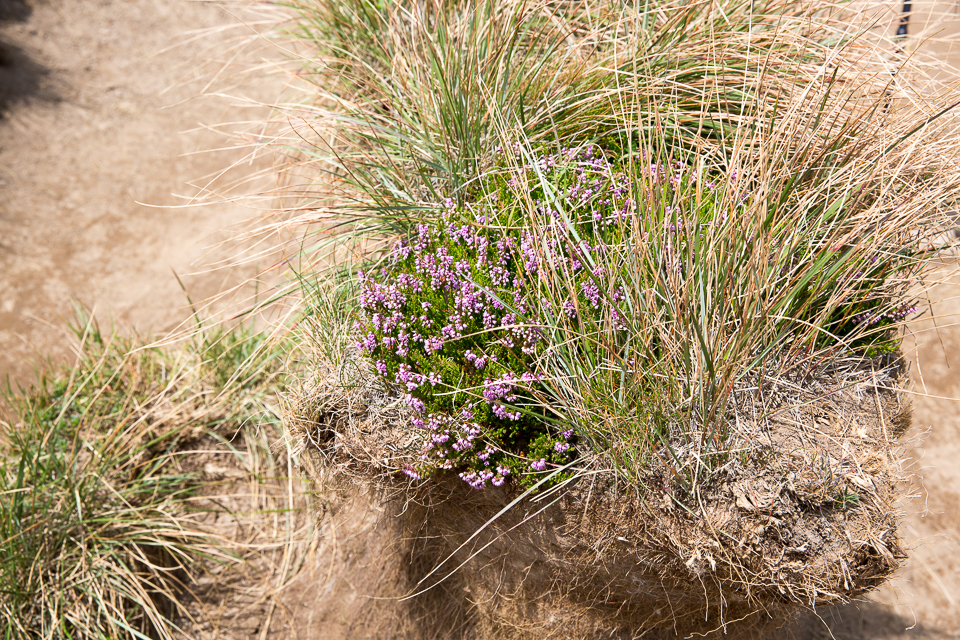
(801, 514)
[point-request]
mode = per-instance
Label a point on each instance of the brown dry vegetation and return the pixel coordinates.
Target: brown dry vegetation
(591, 559)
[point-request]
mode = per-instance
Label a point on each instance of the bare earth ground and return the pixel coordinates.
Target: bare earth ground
(91, 128)
(97, 118)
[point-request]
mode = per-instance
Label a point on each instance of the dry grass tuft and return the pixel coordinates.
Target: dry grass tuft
(137, 478)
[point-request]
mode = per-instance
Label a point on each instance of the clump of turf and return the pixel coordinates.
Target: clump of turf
(653, 257)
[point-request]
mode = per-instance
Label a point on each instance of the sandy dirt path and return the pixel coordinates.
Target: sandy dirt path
(99, 121)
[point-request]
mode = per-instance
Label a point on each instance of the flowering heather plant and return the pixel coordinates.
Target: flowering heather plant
(556, 259)
(452, 320)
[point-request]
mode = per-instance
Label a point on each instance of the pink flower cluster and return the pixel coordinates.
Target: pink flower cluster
(452, 320)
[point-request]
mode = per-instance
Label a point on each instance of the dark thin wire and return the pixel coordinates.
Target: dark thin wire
(901, 34)
(904, 19)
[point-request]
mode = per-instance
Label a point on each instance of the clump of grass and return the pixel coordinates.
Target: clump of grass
(406, 101)
(831, 178)
(103, 519)
(94, 538)
(726, 282)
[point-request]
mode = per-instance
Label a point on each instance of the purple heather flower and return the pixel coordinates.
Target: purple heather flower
(592, 293)
(416, 404)
(501, 412)
(368, 344)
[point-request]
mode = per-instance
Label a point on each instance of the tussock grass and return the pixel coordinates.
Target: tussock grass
(834, 155)
(105, 519)
(801, 264)
(408, 100)
(697, 361)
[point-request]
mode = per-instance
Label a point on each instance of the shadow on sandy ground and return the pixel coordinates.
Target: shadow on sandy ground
(862, 621)
(14, 10)
(20, 76)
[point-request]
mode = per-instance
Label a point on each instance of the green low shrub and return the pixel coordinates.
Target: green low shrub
(584, 256)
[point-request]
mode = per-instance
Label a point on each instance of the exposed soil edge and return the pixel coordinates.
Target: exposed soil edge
(805, 516)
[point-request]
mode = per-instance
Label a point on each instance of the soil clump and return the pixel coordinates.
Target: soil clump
(804, 516)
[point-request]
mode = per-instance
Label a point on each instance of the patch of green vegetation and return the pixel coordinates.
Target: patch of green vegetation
(846, 499)
(98, 534)
(785, 231)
